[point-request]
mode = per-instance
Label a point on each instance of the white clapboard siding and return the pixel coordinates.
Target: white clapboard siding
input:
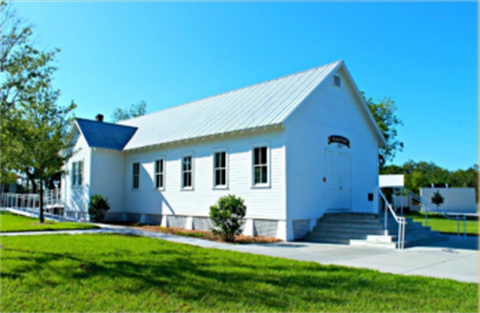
(293, 115)
(329, 111)
(266, 203)
(76, 198)
(108, 169)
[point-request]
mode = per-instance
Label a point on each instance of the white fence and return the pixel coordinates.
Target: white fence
(53, 205)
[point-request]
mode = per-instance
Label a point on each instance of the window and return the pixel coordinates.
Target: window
(77, 173)
(74, 173)
(337, 81)
(80, 173)
(260, 166)
(187, 170)
(220, 169)
(159, 173)
(136, 175)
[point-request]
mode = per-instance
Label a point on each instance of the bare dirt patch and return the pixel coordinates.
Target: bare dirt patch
(201, 234)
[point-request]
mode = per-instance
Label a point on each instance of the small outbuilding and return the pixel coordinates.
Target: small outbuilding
(455, 200)
(294, 148)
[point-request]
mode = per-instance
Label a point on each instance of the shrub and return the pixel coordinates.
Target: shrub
(97, 207)
(437, 199)
(227, 217)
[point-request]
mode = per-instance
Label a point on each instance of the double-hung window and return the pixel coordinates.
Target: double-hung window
(136, 175)
(74, 173)
(159, 173)
(220, 169)
(260, 166)
(187, 172)
(77, 173)
(80, 173)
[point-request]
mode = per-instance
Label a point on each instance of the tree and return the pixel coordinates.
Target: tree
(135, 110)
(383, 112)
(43, 136)
(420, 174)
(34, 130)
(22, 68)
(437, 198)
(415, 181)
(227, 217)
(12, 57)
(391, 169)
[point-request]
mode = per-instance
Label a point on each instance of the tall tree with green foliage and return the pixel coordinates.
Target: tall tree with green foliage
(13, 55)
(420, 174)
(43, 137)
(135, 110)
(34, 131)
(384, 113)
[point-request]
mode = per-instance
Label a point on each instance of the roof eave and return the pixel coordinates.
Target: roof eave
(202, 137)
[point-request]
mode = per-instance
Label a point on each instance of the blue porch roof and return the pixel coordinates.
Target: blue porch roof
(105, 135)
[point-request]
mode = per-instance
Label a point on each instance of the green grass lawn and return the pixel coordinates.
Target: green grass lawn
(441, 224)
(11, 222)
(115, 273)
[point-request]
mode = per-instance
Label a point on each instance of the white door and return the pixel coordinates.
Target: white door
(339, 187)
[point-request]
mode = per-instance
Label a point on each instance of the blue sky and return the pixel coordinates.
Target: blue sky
(422, 55)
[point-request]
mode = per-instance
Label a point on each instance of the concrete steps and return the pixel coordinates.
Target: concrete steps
(361, 229)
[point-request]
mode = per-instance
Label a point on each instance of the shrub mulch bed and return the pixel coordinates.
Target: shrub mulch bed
(200, 234)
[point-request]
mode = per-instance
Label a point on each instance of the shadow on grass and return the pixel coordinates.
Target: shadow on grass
(207, 277)
(229, 283)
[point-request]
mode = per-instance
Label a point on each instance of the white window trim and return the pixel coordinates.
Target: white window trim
(227, 167)
(252, 168)
(160, 157)
(77, 185)
(131, 174)
(183, 155)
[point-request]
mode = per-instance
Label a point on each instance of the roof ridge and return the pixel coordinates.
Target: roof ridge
(234, 90)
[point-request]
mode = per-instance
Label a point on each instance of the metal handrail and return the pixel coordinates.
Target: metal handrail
(435, 208)
(399, 219)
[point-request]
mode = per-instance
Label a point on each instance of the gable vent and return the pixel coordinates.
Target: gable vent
(337, 81)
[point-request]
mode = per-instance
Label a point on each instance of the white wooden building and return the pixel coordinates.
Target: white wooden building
(293, 148)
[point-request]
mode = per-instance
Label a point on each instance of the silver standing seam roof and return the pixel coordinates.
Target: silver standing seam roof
(264, 104)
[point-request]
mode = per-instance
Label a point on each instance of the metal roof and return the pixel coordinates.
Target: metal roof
(260, 105)
(105, 135)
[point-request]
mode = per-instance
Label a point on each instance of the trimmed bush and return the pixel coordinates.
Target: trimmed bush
(227, 217)
(97, 207)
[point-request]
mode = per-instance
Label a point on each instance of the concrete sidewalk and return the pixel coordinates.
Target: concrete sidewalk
(455, 258)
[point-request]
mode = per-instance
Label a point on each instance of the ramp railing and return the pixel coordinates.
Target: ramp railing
(430, 207)
(29, 203)
(402, 222)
